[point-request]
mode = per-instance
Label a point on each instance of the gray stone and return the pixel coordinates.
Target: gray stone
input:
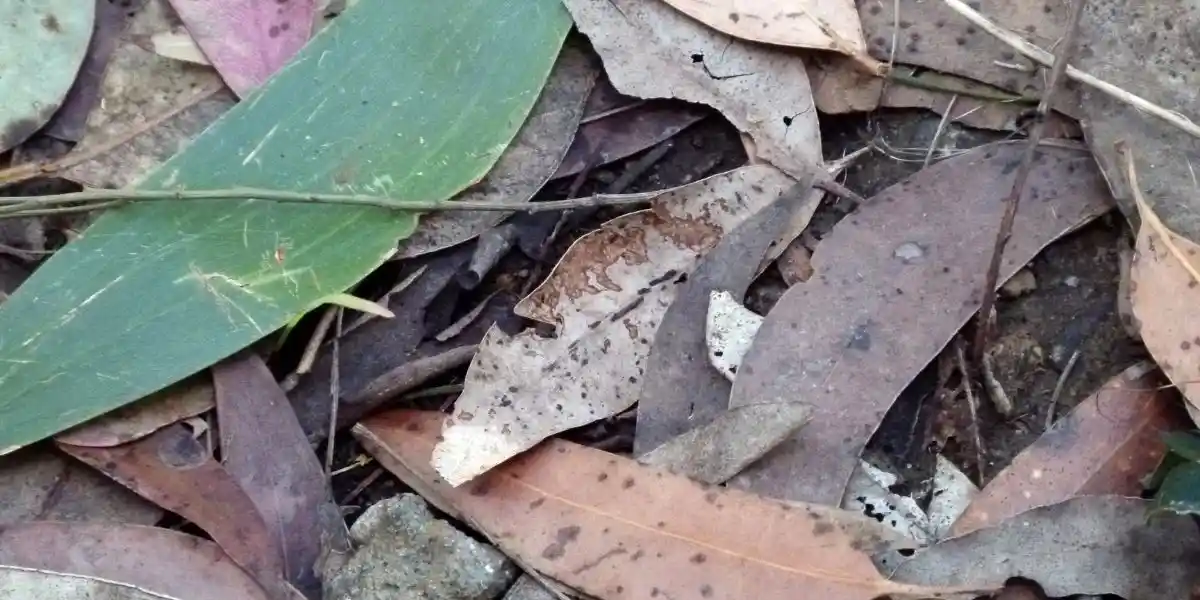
(403, 552)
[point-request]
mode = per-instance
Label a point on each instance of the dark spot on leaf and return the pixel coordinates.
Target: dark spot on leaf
(602, 477)
(563, 538)
(284, 26)
(50, 22)
(628, 483)
(537, 503)
(706, 591)
(860, 338)
(734, 17)
(1185, 345)
(822, 528)
(698, 558)
(905, 24)
(906, 551)
(710, 497)
(1010, 166)
(273, 32)
(697, 58)
(961, 41)
(636, 555)
(413, 427)
(481, 488)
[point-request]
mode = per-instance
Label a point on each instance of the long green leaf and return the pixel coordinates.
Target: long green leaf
(408, 98)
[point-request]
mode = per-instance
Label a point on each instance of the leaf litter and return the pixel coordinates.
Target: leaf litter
(606, 297)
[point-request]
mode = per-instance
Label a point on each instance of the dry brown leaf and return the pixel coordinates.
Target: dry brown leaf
(651, 50)
(140, 86)
(180, 401)
(525, 165)
(265, 450)
(1164, 289)
(840, 87)
(606, 296)
(165, 561)
(609, 527)
(1106, 445)
(38, 484)
(173, 470)
(893, 283)
(823, 24)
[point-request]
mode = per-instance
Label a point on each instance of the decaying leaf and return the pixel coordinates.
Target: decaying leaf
(580, 516)
(39, 484)
(18, 583)
(265, 450)
(70, 121)
(167, 562)
(1164, 286)
(174, 471)
(43, 45)
(729, 330)
(1106, 445)
(681, 390)
(247, 40)
(527, 163)
(822, 24)
(606, 296)
(650, 50)
(188, 398)
(1087, 545)
(894, 281)
(140, 87)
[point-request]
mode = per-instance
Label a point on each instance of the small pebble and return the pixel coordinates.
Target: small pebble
(1020, 284)
(1071, 281)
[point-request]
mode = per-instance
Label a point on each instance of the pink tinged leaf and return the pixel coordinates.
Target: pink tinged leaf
(247, 41)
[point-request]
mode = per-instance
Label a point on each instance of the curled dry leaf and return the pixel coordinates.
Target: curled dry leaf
(164, 561)
(651, 50)
(823, 24)
(606, 296)
(247, 40)
(175, 403)
(1106, 445)
(526, 164)
(894, 282)
(1087, 545)
(165, 102)
(1164, 288)
(607, 526)
(173, 470)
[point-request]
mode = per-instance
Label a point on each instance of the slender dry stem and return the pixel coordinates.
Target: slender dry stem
(1013, 201)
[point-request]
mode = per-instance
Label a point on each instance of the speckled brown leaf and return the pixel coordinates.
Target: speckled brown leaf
(1087, 545)
(140, 86)
(187, 398)
(934, 36)
(173, 470)
(527, 163)
(800, 23)
(265, 450)
(39, 484)
(1106, 445)
(893, 282)
(651, 50)
(841, 87)
(682, 390)
(609, 527)
(164, 561)
(606, 297)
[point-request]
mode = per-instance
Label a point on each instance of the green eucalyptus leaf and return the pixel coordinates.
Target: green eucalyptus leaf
(405, 98)
(1183, 443)
(1180, 491)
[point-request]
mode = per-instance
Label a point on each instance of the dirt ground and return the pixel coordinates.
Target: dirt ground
(1072, 308)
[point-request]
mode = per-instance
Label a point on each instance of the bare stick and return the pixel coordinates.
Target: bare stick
(310, 350)
(941, 128)
(1018, 189)
(972, 405)
(1058, 387)
(1044, 58)
(335, 393)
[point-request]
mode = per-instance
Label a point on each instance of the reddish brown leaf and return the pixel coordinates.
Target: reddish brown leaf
(173, 470)
(187, 398)
(266, 451)
(1105, 446)
(609, 527)
(626, 133)
(159, 560)
(892, 284)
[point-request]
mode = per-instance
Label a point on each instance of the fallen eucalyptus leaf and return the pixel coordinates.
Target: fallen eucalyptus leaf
(821, 24)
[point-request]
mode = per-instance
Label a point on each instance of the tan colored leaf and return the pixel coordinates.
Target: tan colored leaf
(824, 24)
(187, 398)
(892, 284)
(526, 164)
(1106, 445)
(1164, 289)
(651, 50)
(173, 470)
(607, 296)
(178, 44)
(17, 583)
(167, 101)
(609, 527)
(164, 561)
(39, 484)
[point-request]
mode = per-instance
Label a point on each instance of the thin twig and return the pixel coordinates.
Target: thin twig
(610, 112)
(1044, 58)
(941, 128)
(23, 206)
(335, 393)
(1058, 387)
(465, 321)
(1018, 188)
(310, 350)
(972, 405)
(362, 485)
(441, 390)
